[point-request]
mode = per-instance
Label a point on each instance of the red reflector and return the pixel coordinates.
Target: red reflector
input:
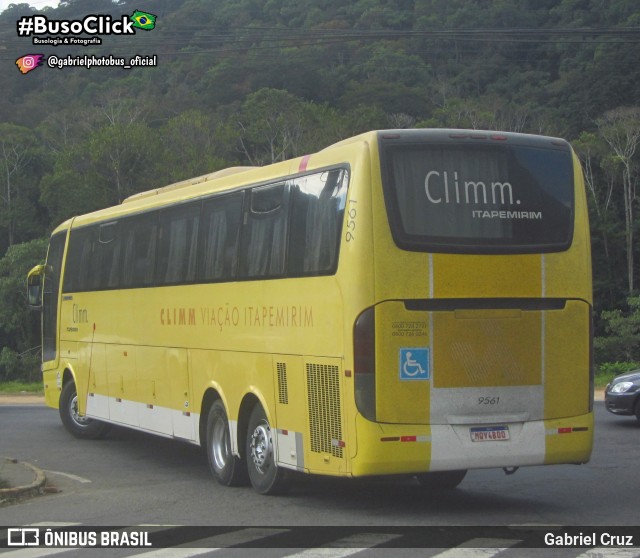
(338, 444)
(565, 430)
(497, 137)
(284, 432)
(407, 438)
(390, 439)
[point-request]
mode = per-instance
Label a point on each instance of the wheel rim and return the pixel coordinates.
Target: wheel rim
(261, 447)
(81, 421)
(220, 445)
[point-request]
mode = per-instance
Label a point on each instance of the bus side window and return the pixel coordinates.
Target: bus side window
(105, 259)
(316, 222)
(264, 235)
(140, 239)
(177, 244)
(218, 246)
(78, 261)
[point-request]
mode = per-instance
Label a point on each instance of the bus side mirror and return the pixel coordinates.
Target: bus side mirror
(34, 287)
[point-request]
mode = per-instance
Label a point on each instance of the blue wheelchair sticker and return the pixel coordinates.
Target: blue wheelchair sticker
(414, 363)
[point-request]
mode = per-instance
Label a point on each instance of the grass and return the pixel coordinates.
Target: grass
(602, 379)
(607, 371)
(12, 388)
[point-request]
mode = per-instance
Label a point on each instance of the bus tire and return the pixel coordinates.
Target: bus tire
(441, 480)
(226, 468)
(265, 476)
(80, 427)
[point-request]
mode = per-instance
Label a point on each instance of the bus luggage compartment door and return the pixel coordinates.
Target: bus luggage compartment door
(470, 361)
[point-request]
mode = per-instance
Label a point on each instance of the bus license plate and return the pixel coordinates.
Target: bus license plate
(490, 434)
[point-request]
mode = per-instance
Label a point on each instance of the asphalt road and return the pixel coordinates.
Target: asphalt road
(131, 478)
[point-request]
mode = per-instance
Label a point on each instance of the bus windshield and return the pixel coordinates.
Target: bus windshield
(496, 198)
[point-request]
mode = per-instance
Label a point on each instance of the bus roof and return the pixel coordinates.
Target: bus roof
(222, 180)
(237, 177)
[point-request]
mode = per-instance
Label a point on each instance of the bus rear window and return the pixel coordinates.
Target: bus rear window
(479, 199)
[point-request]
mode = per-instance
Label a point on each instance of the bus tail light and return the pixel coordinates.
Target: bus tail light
(364, 349)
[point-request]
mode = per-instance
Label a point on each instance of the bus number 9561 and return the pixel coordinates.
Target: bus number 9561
(488, 400)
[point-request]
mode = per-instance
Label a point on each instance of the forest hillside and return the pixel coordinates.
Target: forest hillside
(240, 82)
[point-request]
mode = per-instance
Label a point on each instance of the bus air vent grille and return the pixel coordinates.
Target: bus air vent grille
(325, 422)
(283, 390)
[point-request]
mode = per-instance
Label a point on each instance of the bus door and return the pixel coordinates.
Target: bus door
(50, 297)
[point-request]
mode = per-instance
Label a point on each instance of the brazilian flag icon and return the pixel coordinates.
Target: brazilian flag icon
(143, 20)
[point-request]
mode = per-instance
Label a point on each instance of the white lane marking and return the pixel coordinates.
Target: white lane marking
(608, 552)
(347, 546)
(70, 476)
(175, 552)
(214, 543)
(478, 548)
(36, 552)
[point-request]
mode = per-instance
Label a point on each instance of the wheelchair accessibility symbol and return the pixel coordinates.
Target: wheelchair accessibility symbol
(414, 363)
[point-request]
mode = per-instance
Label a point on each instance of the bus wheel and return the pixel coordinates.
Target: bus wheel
(79, 426)
(265, 476)
(226, 468)
(441, 480)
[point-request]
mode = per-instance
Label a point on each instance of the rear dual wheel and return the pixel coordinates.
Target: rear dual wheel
(226, 468)
(259, 463)
(266, 477)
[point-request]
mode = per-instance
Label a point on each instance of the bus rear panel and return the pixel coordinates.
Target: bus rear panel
(477, 350)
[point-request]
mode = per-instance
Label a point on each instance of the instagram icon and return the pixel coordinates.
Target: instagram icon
(29, 62)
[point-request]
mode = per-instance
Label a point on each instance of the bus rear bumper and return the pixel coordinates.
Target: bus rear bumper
(397, 449)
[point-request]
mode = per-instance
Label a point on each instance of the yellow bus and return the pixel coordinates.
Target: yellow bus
(402, 302)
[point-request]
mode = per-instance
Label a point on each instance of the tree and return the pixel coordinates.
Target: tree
(16, 145)
(622, 342)
(620, 128)
(122, 155)
(19, 334)
(193, 144)
(270, 126)
(592, 151)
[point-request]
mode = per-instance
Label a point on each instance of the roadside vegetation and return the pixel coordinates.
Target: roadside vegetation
(30, 388)
(252, 82)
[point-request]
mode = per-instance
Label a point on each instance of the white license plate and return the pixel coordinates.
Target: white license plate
(489, 433)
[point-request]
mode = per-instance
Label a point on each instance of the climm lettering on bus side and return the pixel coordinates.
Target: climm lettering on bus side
(178, 316)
